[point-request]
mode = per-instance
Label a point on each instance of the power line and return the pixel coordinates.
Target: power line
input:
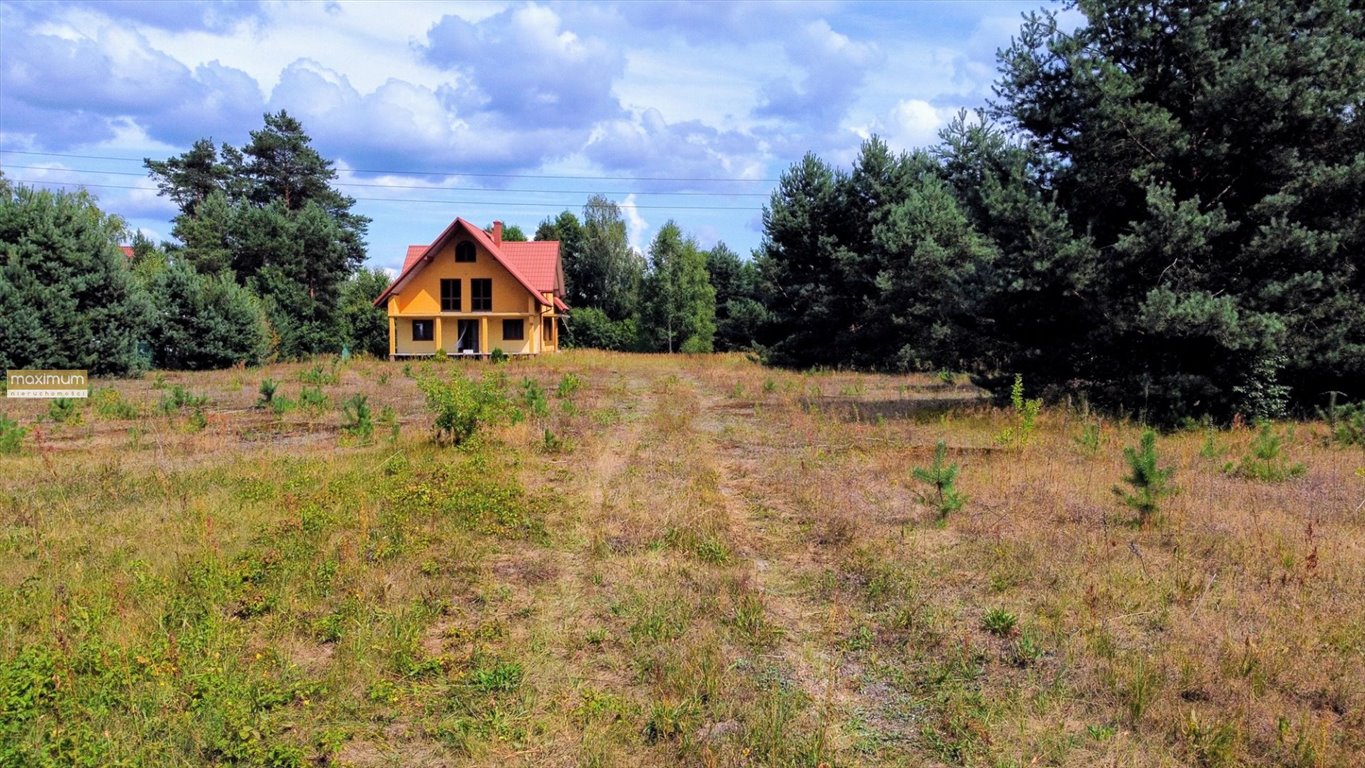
(734, 179)
(522, 204)
(457, 188)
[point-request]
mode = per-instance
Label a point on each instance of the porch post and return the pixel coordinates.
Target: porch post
(483, 336)
(439, 347)
(393, 336)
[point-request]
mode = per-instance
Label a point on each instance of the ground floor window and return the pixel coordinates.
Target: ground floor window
(423, 330)
(547, 330)
(513, 330)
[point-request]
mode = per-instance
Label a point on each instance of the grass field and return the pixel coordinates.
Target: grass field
(663, 561)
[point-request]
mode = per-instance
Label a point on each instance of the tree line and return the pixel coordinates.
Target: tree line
(677, 297)
(1159, 211)
(266, 264)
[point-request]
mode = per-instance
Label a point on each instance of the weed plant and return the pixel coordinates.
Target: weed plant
(110, 405)
(462, 406)
(1024, 415)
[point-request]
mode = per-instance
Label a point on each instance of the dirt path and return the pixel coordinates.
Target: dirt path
(771, 541)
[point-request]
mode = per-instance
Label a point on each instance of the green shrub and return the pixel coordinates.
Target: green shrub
(552, 443)
(497, 355)
(570, 384)
(180, 398)
(11, 435)
(1265, 461)
(462, 406)
(312, 400)
(109, 404)
(1089, 440)
(534, 398)
(1347, 423)
(65, 410)
(943, 477)
(321, 377)
(1150, 483)
(359, 422)
(267, 390)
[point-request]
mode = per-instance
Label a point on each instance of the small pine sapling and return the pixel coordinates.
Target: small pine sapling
(1150, 483)
(943, 477)
(1266, 461)
(359, 422)
(268, 389)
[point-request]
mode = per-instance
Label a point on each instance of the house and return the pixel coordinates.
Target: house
(469, 293)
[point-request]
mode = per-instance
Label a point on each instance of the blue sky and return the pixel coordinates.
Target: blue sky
(491, 110)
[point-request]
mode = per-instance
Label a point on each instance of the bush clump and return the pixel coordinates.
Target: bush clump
(462, 406)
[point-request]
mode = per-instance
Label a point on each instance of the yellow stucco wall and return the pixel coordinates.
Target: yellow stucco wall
(421, 299)
(422, 295)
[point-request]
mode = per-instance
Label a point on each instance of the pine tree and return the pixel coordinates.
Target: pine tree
(268, 215)
(67, 293)
(1215, 155)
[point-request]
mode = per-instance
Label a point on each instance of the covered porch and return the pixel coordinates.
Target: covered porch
(473, 335)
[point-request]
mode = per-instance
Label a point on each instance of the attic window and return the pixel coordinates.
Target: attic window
(464, 252)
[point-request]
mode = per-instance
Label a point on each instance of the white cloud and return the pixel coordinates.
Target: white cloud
(637, 229)
(910, 124)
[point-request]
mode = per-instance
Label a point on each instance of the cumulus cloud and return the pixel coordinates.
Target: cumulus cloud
(834, 66)
(407, 127)
(83, 85)
(705, 23)
(526, 67)
(637, 229)
(913, 124)
(647, 144)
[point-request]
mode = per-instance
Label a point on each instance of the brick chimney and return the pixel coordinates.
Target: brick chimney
(497, 233)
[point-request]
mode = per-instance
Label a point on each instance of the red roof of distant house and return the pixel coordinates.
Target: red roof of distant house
(533, 264)
(127, 250)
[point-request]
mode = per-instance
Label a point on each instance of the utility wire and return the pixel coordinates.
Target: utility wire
(733, 179)
(692, 193)
(522, 204)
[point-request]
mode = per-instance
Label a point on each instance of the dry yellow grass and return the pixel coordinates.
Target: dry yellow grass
(680, 561)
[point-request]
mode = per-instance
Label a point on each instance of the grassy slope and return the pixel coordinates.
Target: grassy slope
(705, 563)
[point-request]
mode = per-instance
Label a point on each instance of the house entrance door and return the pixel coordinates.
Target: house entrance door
(468, 338)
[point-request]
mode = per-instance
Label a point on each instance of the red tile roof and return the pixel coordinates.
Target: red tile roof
(127, 250)
(414, 253)
(539, 262)
(535, 265)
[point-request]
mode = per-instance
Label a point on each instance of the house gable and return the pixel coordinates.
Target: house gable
(441, 252)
